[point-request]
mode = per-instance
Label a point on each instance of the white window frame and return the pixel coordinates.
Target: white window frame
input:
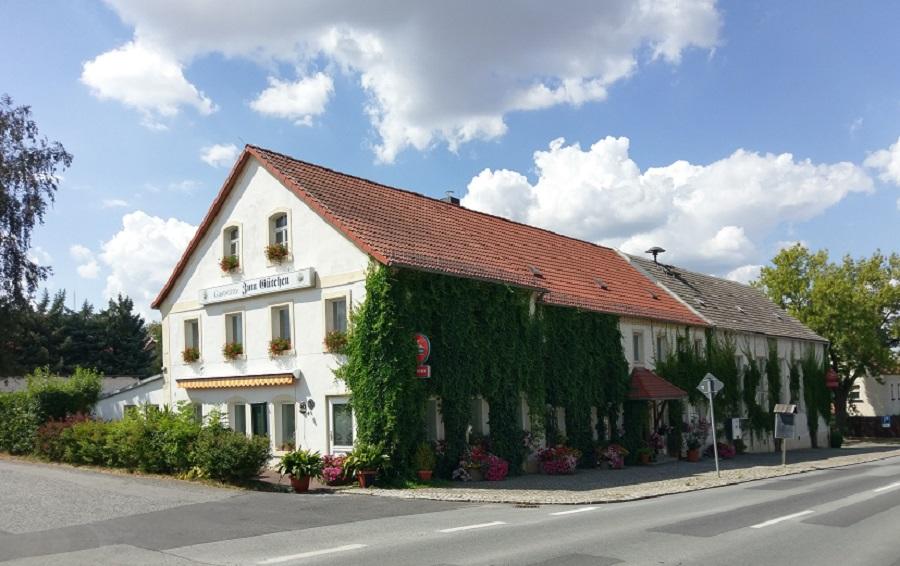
(484, 414)
(184, 337)
(229, 334)
(331, 401)
(438, 418)
(662, 347)
(327, 302)
(273, 324)
(273, 229)
(232, 411)
(226, 243)
(278, 434)
(637, 347)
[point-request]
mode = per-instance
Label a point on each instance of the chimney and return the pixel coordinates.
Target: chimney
(450, 198)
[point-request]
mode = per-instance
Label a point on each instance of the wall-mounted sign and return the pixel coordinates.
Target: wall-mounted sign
(259, 286)
(424, 350)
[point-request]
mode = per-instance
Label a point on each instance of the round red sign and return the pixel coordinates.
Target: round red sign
(424, 346)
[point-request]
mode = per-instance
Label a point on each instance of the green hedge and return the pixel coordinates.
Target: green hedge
(149, 440)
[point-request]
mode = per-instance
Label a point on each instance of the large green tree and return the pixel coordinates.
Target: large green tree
(29, 168)
(854, 303)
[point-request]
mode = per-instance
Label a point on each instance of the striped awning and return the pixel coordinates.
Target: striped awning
(267, 380)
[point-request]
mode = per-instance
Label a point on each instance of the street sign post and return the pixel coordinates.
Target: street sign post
(710, 386)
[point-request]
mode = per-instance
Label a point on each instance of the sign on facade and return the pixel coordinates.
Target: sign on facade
(423, 344)
(886, 421)
(301, 279)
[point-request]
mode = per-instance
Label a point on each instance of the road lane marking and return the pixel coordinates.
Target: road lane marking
(312, 553)
(469, 527)
(887, 487)
(771, 522)
(572, 511)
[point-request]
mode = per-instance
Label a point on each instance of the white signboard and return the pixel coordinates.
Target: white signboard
(710, 386)
(259, 286)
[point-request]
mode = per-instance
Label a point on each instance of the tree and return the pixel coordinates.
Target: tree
(29, 165)
(855, 304)
(125, 350)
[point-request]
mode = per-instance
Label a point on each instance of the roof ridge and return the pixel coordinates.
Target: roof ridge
(432, 199)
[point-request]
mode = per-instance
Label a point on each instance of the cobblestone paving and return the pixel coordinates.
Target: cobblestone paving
(608, 486)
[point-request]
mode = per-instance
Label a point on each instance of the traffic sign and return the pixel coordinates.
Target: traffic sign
(710, 386)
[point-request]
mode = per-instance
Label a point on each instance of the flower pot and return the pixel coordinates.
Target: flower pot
(476, 474)
(424, 475)
(645, 459)
(693, 455)
(366, 478)
(532, 466)
(300, 484)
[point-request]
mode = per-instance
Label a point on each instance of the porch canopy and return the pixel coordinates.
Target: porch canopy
(647, 386)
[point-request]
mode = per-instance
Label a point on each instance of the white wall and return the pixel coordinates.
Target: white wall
(113, 407)
(340, 268)
(877, 399)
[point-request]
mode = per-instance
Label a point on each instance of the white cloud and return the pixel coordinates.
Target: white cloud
(709, 217)
(887, 163)
(146, 78)
(40, 256)
(113, 203)
(219, 155)
(744, 274)
(141, 256)
(432, 72)
(88, 268)
(298, 101)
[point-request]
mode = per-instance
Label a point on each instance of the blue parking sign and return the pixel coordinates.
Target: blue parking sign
(886, 421)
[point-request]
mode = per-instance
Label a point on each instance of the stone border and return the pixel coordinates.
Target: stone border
(706, 480)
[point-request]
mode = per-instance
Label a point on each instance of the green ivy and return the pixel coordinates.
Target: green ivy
(773, 376)
(816, 395)
(486, 339)
(760, 423)
(794, 381)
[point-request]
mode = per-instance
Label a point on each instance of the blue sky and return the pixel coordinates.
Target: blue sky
(711, 98)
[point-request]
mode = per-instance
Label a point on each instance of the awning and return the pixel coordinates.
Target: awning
(266, 380)
(647, 386)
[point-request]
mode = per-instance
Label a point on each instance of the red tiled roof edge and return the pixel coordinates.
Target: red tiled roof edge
(646, 385)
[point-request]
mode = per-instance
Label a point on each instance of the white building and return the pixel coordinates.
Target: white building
(875, 397)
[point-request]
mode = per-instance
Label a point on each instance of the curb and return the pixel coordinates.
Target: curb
(635, 492)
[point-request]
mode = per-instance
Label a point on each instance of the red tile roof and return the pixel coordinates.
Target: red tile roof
(406, 229)
(647, 386)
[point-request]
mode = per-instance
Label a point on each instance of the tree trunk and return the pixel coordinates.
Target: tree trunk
(840, 404)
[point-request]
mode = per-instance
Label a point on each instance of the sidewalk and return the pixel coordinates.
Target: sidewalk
(641, 482)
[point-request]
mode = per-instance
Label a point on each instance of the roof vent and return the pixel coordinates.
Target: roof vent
(740, 309)
(701, 302)
(655, 250)
(450, 198)
(601, 283)
(653, 295)
(535, 271)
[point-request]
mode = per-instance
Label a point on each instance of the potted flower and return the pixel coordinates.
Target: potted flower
(229, 263)
(233, 350)
(613, 456)
(190, 355)
(644, 453)
(333, 470)
(278, 346)
(301, 465)
(424, 461)
(365, 461)
(276, 253)
(559, 459)
(693, 447)
(335, 341)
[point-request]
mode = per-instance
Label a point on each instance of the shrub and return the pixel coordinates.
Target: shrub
(59, 397)
(424, 458)
(366, 457)
(51, 439)
(85, 442)
(153, 441)
(223, 454)
(836, 440)
(19, 421)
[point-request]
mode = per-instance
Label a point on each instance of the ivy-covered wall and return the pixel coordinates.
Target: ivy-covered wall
(486, 339)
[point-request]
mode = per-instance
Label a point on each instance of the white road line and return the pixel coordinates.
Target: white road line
(887, 487)
(469, 527)
(780, 519)
(310, 554)
(571, 511)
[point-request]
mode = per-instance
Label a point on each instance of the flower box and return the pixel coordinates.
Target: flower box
(229, 263)
(276, 253)
(233, 350)
(278, 346)
(190, 355)
(336, 342)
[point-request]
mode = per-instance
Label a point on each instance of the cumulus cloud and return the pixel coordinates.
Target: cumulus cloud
(709, 217)
(87, 268)
(219, 155)
(40, 256)
(887, 163)
(744, 274)
(146, 78)
(297, 101)
(141, 255)
(432, 72)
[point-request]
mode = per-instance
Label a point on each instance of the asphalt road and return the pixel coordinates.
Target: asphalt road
(52, 515)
